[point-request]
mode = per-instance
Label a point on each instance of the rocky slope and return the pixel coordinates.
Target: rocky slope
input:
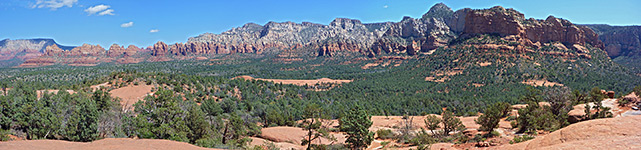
(623, 44)
(439, 27)
(509, 22)
(349, 34)
(23, 49)
(436, 28)
(619, 40)
(610, 133)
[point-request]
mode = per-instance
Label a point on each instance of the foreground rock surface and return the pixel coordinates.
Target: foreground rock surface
(611, 133)
(104, 144)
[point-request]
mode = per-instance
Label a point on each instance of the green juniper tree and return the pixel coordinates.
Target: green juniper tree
(491, 117)
(83, 123)
(355, 123)
(313, 124)
(160, 117)
(451, 123)
(432, 123)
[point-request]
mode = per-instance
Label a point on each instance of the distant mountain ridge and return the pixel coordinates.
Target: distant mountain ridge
(439, 27)
(36, 43)
(14, 52)
(436, 28)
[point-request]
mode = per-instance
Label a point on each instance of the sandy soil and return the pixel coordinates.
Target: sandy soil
(444, 75)
(477, 84)
(483, 64)
(541, 83)
(104, 144)
(280, 145)
(369, 65)
(297, 82)
(98, 86)
(131, 94)
(40, 92)
(294, 135)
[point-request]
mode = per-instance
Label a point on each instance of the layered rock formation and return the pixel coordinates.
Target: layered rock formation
(619, 40)
(115, 50)
(414, 35)
(84, 50)
(507, 22)
(436, 28)
(410, 36)
(24, 49)
(254, 38)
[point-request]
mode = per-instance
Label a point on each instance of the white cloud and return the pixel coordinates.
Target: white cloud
(385, 6)
(107, 12)
(153, 30)
(127, 25)
(54, 4)
(100, 9)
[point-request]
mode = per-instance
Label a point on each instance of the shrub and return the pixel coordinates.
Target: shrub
(510, 118)
(385, 134)
(4, 135)
(519, 139)
(422, 139)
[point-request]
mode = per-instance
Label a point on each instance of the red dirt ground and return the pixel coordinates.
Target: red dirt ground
(131, 94)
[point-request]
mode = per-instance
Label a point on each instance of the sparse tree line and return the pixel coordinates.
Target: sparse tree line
(218, 112)
(529, 121)
(216, 119)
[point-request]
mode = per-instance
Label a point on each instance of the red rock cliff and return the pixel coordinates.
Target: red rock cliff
(505, 22)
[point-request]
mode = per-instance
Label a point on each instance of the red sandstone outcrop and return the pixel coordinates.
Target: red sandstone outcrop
(115, 50)
(84, 50)
(87, 50)
(619, 40)
(331, 48)
(506, 22)
(159, 49)
(53, 50)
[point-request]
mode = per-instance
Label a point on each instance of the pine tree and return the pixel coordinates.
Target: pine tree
(83, 123)
(313, 124)
(432, 123)
(195, 120)
(102, 99)
(451, 123)
(355, 123)
(491, 117)
(160, 117)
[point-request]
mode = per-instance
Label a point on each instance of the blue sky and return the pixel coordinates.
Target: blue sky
(104, 22)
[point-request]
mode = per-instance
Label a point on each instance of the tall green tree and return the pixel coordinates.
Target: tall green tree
(355, 123)
(160, 117)
(195, 120)
(432, 122)
(451, 123)
(313, 124)
(102, 99)
(491, 116)
(83, 123)
(43, 121)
